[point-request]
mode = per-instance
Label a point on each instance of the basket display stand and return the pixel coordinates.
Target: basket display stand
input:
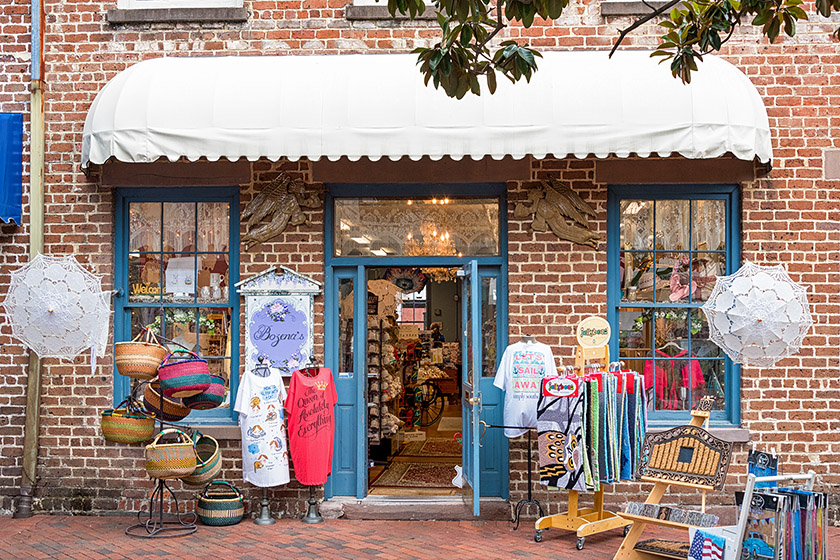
(584, 521)
(155, 523)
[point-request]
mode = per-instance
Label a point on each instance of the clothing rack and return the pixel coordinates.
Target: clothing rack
(586, 521)
(521, 503)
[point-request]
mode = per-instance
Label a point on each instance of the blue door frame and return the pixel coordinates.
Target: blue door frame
(349, 472)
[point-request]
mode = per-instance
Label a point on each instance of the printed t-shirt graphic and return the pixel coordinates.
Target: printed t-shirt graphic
(520, 374)
(265, 455)
(310, 407)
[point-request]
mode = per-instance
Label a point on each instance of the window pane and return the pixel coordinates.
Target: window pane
(709, 224)
(636, 270)
(143, 277)
(214, 331)
(700, 344)
(179, 278)
(142, 317)
(214, 226)
(180, 327)
(672, 220)
(671, 332)
(179, 226)
(416, 227)
(706, 267)
(345, 325)
(488, 326)
(672, 277)
(636, 224)
(635, 333)
(713, 383)
(670, 381)
(144, 226)
(213, 278)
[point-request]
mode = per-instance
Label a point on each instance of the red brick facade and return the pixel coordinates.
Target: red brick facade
(791, 216)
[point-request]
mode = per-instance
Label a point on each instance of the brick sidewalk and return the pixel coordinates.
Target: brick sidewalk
(100, 538)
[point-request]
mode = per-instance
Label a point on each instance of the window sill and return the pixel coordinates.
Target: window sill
(177, 15)
(732, 434)
(361, 13)
(220, 432)
(629, 7)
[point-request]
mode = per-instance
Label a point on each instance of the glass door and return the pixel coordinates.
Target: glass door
(471, 384)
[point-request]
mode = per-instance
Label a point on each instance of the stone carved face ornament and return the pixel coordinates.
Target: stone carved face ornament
(557, 207)
(282, 199)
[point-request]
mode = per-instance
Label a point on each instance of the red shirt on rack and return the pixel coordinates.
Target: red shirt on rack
(310, 405)
(671, 375)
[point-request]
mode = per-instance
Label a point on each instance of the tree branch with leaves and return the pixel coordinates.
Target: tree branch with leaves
(692, 29)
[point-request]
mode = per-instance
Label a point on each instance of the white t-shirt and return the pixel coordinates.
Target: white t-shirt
(520, 375)
(265, 455)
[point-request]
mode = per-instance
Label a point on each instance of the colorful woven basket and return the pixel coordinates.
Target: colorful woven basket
(209, 462)
(123, 425)
(211, 398)
(186, 377)
(220, 504)
(139, 359)
(169, 410)
(170, 460)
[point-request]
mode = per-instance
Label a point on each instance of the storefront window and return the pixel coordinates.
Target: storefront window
(174, 267)
(435, 227)
(665, 254)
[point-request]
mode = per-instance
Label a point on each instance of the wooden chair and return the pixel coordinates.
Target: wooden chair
(687, 456)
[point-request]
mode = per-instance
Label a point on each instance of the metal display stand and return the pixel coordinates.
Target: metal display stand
(312, 515)
(521, 504)
(265, 517)
(156, 525)
(586, 521)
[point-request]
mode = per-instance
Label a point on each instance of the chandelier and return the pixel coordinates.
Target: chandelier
(435, 243)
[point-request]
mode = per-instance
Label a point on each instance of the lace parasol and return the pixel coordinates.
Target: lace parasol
(758, 315)
(58, 309)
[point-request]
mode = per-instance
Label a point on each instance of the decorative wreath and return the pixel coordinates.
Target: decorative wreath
(409, 280)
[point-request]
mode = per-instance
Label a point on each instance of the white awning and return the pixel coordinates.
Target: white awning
(376, 105)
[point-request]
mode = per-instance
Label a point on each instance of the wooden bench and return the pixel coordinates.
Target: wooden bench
(688, 457)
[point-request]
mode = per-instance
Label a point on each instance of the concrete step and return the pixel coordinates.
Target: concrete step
(402, 508)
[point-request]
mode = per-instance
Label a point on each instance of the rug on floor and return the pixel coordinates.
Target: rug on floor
(449, 424)
(417, 475)
(432, 447)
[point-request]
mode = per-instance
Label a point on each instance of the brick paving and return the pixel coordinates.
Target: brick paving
(102, 538)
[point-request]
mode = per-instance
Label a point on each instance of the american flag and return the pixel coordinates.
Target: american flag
(706, 547)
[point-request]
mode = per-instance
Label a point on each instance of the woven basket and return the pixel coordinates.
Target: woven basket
(171, 410)
(139, 359)
(211, 398)
(170, 460)
(181, 378)
(220, 506)
(123, 425)
(209, 462)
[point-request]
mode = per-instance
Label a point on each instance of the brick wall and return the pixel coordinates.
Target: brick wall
(791, 217)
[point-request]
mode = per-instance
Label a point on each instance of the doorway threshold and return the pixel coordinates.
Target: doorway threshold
(415, 508)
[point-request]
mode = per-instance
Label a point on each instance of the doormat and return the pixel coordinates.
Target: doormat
(449, 424)
(432, 447)
(417, 475)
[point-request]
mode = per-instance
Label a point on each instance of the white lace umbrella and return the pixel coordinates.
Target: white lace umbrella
(58, 309)
(758, 315)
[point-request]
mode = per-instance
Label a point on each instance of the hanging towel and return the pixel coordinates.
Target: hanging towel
(559, 437)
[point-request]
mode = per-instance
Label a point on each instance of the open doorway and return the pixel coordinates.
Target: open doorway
(413, 381)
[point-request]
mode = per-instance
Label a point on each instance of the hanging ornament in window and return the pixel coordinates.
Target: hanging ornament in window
(409, 280)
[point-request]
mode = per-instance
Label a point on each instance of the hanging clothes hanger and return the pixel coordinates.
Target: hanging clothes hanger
(528, 339)
(312, 368)
(671, 344)
(262, 368)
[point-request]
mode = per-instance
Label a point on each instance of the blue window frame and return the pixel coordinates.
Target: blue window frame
(666, 244)
(176, 265)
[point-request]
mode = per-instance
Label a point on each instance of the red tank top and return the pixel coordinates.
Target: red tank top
(311, 424)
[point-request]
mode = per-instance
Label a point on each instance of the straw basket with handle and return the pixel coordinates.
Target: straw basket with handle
(183, 377)
(220, 504)
(209, 462)
(211, 398)
(139, 359)
(170, 460)
(123, 424)
(163, 408)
